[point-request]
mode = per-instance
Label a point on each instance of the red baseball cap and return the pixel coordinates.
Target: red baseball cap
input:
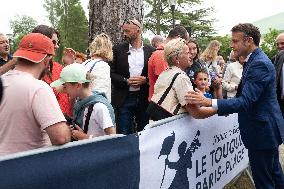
(34, 47)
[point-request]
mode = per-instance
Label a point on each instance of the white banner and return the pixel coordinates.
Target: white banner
(190, 153)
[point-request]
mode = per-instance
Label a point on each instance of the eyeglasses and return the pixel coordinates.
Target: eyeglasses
(131, 22)
(280, 43)
(55, 42)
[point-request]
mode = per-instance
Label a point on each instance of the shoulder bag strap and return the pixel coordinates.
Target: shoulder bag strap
(88, 62)
(88, 116)
(210, 64)
(94, 65)
(167, 90)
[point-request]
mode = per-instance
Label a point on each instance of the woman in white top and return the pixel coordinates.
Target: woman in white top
(232, 77)
(209, 56)
(101, 53)
(179, 58)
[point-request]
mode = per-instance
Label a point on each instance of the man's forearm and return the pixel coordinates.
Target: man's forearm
(200, 112)
(8, 66)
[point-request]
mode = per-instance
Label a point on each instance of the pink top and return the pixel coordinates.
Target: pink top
(29, 106)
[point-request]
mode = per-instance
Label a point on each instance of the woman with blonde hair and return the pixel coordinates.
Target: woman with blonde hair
(101, 53)
(209, 56)
(173, 84)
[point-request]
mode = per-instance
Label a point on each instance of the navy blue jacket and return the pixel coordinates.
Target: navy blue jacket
(260, 120)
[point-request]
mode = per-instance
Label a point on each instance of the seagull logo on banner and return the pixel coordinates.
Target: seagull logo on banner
(184, 162)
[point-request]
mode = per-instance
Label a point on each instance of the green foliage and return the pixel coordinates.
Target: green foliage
(69, 18)
(225, 48)
(20, 25)
(159, 17)
(268, 45)
(146, 41)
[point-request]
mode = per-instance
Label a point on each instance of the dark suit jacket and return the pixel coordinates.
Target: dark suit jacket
(120, 70)
(278, 63)
(260, 121)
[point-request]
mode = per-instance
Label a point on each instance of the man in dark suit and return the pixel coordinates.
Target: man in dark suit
(260, 121)
(278, 63)
(129, 77)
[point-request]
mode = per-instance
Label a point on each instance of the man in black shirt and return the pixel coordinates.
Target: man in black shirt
(4, 50)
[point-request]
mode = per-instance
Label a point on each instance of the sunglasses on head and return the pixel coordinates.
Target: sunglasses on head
(131, 22)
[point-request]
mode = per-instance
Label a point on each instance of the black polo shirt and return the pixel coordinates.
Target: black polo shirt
(2, 61)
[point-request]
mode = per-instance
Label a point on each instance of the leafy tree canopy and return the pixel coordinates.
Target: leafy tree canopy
(188, 12)
(69, 18)
(21, 25)
(268, 45)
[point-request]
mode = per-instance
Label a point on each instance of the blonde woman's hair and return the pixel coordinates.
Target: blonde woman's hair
(173, 48)
(101, 46)
(210, 53)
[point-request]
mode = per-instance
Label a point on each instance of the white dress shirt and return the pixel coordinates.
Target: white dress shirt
(136, 63)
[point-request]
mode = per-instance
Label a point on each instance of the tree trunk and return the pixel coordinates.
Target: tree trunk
(108, 16)
(158, 12)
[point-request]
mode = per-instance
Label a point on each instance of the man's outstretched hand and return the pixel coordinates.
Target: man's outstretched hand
(197, 98)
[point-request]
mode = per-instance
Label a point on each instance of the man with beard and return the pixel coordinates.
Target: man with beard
(29, 113)
(53, 73)
(4, 50)
(55, 69)
(129, 77)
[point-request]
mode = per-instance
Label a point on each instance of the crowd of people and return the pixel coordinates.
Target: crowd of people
(120, 88)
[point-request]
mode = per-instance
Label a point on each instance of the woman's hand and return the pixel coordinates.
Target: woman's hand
(217, 81)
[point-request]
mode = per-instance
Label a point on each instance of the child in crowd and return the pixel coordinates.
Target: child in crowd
(209, 56)
(80, 57)
(68, 56)
(201, 78)
(92, 112)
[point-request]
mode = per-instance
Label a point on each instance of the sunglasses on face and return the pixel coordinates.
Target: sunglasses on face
(55, 42)
(280, 43)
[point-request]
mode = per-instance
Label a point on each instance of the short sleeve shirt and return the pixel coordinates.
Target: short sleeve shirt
(28, 107)
(176, 94)
(156, 65)
(100, 120)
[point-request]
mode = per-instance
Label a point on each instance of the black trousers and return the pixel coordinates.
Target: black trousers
(266, 169)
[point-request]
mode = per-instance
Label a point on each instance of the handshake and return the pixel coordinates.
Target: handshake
(197, 98)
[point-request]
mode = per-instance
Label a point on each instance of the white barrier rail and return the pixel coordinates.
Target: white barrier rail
(175, 152)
